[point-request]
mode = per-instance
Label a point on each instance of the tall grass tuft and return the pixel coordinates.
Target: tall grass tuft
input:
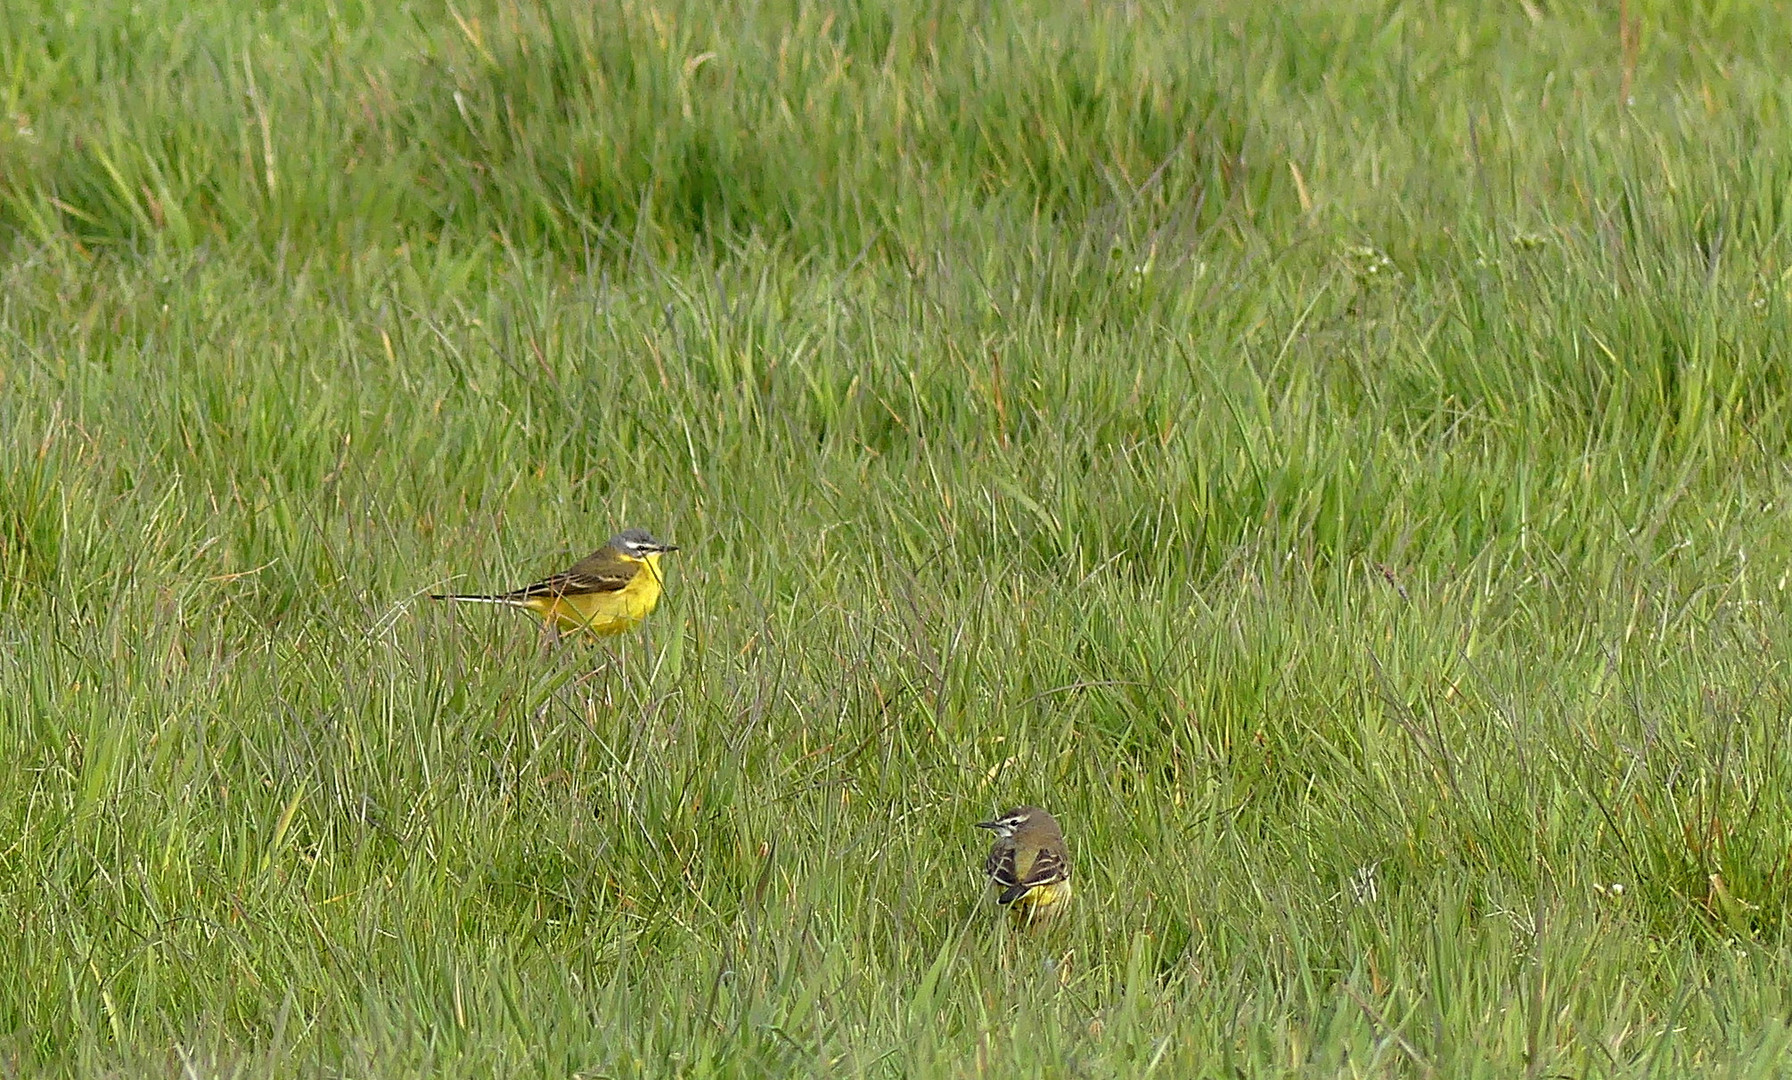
(1331, 455)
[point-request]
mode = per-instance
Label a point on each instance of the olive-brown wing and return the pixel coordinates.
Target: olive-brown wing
(1000, 864)
(601, 571)
(1047, 867)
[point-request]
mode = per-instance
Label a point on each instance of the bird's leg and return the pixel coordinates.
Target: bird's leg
(602, 666)
(608, 665)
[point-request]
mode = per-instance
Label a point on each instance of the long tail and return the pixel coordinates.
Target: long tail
(470, 598)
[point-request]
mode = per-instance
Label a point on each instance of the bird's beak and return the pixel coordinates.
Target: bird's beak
(989, 824)
(668, 547)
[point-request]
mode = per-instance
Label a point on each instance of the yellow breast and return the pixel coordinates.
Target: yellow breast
(1042, 902)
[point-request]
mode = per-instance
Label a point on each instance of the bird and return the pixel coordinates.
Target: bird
(607, 592)
(1030, 863)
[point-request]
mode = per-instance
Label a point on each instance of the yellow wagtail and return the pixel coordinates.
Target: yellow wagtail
(1029, 863)
(607, 592)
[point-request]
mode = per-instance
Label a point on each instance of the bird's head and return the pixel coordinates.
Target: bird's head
(639, 543)
(1005, 825)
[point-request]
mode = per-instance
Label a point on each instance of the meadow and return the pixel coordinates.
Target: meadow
(1333, 455)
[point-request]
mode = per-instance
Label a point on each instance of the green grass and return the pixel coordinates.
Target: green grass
(1335, 458)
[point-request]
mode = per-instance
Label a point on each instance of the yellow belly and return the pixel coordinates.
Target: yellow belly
(1042, 903)
(604, 613)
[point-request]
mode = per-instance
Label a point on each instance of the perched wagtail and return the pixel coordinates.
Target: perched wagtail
(1029, 863)
(607, 592)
